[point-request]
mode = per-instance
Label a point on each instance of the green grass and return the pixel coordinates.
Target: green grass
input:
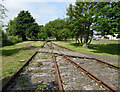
(12, 54)
(117, 64)
(51, 70)
(96, 47)
(42, 87)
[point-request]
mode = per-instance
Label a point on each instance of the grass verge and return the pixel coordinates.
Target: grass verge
(96, 47)
(12, 54)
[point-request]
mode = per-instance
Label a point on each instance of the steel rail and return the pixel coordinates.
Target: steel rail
(101, 61)
(5, 85)
(99, 81)
(57, 71)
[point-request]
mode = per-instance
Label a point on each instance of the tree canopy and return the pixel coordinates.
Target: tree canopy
(84, 17)
(108, 17)
(57, 29)
(23, 25)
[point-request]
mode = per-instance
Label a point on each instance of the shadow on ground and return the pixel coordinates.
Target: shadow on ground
(105, 48)
(113, 49)
(12, 51)
(15, 51)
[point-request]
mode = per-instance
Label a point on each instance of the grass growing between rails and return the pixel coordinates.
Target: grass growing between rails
(12, 54)
(96, 47)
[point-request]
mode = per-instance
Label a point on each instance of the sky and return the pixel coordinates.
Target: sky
(42, 10)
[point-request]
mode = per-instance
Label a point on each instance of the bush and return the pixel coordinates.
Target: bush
(15, 39)
(11, 41)
(4, 39)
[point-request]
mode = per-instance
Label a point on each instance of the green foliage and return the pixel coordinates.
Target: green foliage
(65, 83)
(81, 19)
(65, 33)
(5, 41)
(4, 38)
(84, 17)
(107, 66)
(24, 26)
(32, 31)
(57, 29)
(11, 27)
(107, 21)
(51, 70)
(42, 33)
(12, 40)
(42, 87)
(15, 39)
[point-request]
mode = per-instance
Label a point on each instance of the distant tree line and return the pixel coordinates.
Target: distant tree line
(83, 18)
(24, 26)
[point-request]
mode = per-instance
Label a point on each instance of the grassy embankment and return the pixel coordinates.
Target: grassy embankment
(12, 54)
(96, 47)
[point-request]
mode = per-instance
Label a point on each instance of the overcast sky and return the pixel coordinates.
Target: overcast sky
(42, 10)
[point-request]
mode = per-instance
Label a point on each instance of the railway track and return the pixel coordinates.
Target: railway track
(105, 71)
(57, 68)
(38, 73)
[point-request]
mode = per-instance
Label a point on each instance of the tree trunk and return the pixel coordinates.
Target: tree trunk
(76, 39)
(85, 41)
(81, 40)
(84, 44)
(89, 41)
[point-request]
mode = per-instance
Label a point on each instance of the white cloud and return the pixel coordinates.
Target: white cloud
(42, 11)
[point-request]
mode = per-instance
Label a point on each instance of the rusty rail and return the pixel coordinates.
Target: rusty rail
(5, 85)
(99, 81)
(101, 61)
(57, 71)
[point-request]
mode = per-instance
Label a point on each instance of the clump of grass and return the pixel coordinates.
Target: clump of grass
(51, 70)
(42, 87)
(23, 70)
(56, 55)
(107, 66)
(65, 83)
(22, 82)
(116, 64)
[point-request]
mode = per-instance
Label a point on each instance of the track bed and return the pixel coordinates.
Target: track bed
(40, 72)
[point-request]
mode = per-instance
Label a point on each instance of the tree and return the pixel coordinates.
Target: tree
(81, 16)
(55, 29)
(32, 31)
(42, 33)
(11, 27)
(65, 33)
(23, 25)
(107, 18)
(2, 12)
